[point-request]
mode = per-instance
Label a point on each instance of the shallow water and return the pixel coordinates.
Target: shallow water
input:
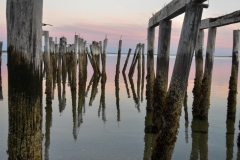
(118, 132)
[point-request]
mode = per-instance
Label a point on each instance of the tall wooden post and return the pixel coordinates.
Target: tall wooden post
(150, 69)
(197, 90)
(76, 44)
(143, 71)
(232, 95)
(161, 81)
(207, 78)
(167, 137)
(1, 93)
(118, 61)
(24, 47)
(104, 58)
(48, 68)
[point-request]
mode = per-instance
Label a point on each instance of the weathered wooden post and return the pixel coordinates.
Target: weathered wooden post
(139, 72)
(167, 137)
(197, 90)
(48, 68)
(186, 116)
(76, 44)
(94, 91)
(24, 47)
(135, 60)
(161, 81)
(118, 61)
(104, 59)
(143, 71)
(126, 61)
(207, 78)
(232, 95)
(150, 69)
(230, 129)
(1, 93)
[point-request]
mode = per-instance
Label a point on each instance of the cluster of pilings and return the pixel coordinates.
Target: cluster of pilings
(166, 103)
(57, 55)
(139, 60)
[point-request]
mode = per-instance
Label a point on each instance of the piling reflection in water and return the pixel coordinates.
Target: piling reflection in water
(25, 109)
(149, 138)
(199, 139)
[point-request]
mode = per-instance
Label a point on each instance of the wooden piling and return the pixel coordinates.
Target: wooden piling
(161, 81)
(47, 68)
(118, 61)
(207, 78)
(133, 60)
(24, 48)
(76, 44)
(126, 61)
(197, 90)
(104, 58)
(232, 94)
(143, 71)
(167, 137)
(150, 69)
(1, 93)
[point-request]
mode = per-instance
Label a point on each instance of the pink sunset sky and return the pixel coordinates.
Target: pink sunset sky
(93, 19)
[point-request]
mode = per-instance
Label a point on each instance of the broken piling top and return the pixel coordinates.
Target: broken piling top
(221, 21)
(105, 45)
(63, 45)
(171, 10)
(76, 44)
(46, 42)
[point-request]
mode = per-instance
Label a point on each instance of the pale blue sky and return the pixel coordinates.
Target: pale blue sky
(129, 18)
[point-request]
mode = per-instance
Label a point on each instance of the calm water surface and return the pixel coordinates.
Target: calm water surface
(118, 132)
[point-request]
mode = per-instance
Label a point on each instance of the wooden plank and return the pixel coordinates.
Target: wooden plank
(171, 10)
(221, 21)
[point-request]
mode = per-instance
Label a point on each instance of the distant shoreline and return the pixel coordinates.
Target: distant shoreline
(145, 54)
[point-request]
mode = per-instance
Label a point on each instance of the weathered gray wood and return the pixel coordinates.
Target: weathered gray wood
(24, 47)
(143, 71)
(221, 21)
(233, 82)
(207, 78)
(47, 68)
(150, 69)
(134, 57)
(161, 81)
(76, 44)
(126, 61)
(118, 61)
(63, 45)
(135, 60)
(25, 38)
(104, 59)
(167, 136)
(197, 90)
(171, 10)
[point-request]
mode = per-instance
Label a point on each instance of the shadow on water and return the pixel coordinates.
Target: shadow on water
(24, 109)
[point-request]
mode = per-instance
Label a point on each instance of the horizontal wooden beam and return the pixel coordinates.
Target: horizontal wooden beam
(171, 10)
(221, 21)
